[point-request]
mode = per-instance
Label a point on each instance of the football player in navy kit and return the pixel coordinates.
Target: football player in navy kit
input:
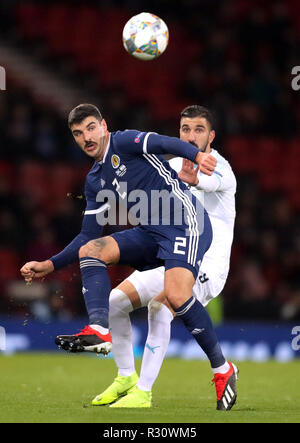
(179, 247)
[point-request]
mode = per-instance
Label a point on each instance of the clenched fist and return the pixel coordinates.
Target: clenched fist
(35, 269)
(206, 163)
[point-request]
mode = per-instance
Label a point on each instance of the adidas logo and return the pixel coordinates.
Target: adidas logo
(227, 396)
(84, 290)
(197, 331)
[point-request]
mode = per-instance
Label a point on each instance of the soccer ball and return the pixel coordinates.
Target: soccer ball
(145, 36)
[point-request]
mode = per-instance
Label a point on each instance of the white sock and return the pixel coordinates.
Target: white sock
(159, 323)
(100, 329)
(221, 369)
(121, 333)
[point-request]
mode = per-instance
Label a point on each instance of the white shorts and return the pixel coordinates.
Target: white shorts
(149, 284)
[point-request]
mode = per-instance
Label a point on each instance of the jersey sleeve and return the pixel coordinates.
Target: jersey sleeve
(139, 143)
(221, 179)
(90, 230)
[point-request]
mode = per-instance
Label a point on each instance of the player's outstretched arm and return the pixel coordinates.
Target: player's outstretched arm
(162, 144)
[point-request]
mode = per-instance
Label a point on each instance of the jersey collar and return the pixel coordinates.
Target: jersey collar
(106, 151)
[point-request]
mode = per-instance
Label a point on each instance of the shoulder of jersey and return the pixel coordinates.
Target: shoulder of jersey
(128, 133)
(176, 163)
(220, 159)
(129, 136)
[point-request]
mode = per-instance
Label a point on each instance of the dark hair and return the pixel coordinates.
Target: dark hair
(199, 111)
(78, 114)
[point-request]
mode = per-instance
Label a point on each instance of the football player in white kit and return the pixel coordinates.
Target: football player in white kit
(217, 193)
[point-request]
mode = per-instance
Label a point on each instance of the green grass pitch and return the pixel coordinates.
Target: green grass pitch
(49, 388)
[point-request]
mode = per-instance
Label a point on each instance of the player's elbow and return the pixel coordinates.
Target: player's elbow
(211, 188)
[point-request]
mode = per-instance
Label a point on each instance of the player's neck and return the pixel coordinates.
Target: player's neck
(208, 149)
(101, 156)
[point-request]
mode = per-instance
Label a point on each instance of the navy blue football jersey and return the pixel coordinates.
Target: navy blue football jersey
(133, 172)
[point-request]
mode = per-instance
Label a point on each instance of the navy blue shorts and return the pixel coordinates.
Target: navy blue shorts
(147, 247)
(137, 249)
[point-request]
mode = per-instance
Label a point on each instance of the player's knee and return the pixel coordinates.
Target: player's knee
(115, 297)
(93, 248)
(119, 301)
(159, 321)
(159, 311)
(105, 249)
(178, 292)
(174, 299)
(154, 307)
(83, 251)
(86, 251)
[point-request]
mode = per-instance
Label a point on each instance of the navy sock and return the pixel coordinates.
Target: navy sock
(96, 290)
(198, 322)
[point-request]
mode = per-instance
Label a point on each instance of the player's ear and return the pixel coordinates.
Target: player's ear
(104, 124)
(212, 135)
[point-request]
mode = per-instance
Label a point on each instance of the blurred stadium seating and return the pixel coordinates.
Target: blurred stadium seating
(235, 59)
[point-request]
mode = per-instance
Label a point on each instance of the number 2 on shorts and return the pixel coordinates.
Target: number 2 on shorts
(179, 243)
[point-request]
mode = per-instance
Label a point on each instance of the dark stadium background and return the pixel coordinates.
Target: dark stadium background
(235, 57)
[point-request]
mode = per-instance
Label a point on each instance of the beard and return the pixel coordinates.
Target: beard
(201, 148)
(99, 145)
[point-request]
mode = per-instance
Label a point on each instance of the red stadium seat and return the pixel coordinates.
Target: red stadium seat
(290, 179)
(269, 181)
(61, 183)
(10, 264)
(118, 273)
(7, 173)
(268, 160)
(166, 107)
(294, 8)
(241, 151)
(293, 151)
(58, 16)
(33, 180)
(32, 171)
(31, 19)
(294, 199)
(268, 153)
(59, 30)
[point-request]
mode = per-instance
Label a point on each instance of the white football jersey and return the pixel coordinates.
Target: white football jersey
(217, 192)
